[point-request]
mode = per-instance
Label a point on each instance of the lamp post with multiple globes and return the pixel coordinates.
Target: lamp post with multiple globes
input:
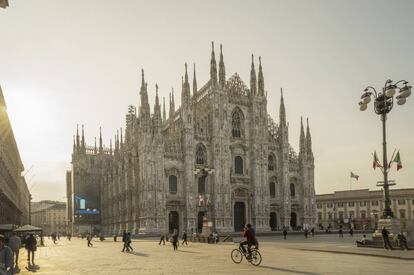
(383, 104)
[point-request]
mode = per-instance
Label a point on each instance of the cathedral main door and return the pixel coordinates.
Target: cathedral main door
(200, 221)
(273, 221)
(173, 221)
(293, 220)
(239, 216)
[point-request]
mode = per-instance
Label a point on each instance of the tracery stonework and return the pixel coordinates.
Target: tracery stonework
(219, 155)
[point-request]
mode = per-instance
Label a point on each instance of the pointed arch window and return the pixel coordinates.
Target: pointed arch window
(237, 123)
(292, 190)
(272, 189)
(201, 155)
(172, 182)
(238, 165)
(202, 185)
(271, 162)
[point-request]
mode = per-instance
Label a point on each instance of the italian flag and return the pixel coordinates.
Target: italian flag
(397, 159)
(376, 162)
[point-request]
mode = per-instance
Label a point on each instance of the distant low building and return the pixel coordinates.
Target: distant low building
(4, 3)
(363, 208)
(50, 215)
(14, 194)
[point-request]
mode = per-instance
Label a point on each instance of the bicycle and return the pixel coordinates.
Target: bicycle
(237, 256)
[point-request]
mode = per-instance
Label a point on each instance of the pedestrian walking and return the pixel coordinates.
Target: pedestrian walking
(306, 233)
(402, 241)
(385, 237)
(115, 237)
(6, 257)
(284, 233)
(341, 232)
(162, 239)
(89, 239)
(15, 243)
(69, 236)
(313, 232)
(125, 241)
(351, 232)
(31, 246)
(184, 238)
(175, 239)
(129, 240)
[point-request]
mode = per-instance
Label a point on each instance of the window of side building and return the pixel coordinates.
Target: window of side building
(319, 216)
(402, 214)
(374, 203)
(319, 205)
(401, 202)
(351, 204)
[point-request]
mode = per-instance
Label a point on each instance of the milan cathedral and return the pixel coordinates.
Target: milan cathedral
(219, 155)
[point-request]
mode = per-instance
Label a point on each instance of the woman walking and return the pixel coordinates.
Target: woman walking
(175, 239)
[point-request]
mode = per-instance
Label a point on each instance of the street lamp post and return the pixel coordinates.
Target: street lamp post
(383, 104)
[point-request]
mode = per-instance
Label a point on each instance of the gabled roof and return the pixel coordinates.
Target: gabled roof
(236, 86)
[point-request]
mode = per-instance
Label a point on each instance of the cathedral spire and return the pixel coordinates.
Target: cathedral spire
(77, 138)
(213, 66)
(142, 79)
(122, 140)
(186, 74)
(194, 81)
(74, 144)
(252, 78)
(144, 109)
(185, 92)
(260, 79)
(157, 106)
(110, 146)
(308, 139)
(302, 141)
(83, 139)
(222, 70)
(100, 141)
(164, 114)
(172, 105)
(95, 149)
(282, 112)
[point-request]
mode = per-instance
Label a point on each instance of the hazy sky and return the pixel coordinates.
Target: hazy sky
(69, 62)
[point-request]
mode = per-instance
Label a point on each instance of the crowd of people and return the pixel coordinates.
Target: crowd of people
(9, 252)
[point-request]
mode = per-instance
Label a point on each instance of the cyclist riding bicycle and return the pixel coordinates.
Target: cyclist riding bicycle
(250, 239)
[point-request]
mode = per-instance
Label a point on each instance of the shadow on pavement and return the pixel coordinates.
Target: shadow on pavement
(188, 251)
(138, 254)
(287, 270)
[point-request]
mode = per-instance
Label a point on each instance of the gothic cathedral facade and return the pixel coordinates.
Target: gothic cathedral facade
(219, 155)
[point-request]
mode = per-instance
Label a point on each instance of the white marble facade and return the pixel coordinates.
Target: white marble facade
(218, 155)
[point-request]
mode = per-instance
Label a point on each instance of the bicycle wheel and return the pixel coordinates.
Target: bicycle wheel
(256, 258)
(236, 256)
